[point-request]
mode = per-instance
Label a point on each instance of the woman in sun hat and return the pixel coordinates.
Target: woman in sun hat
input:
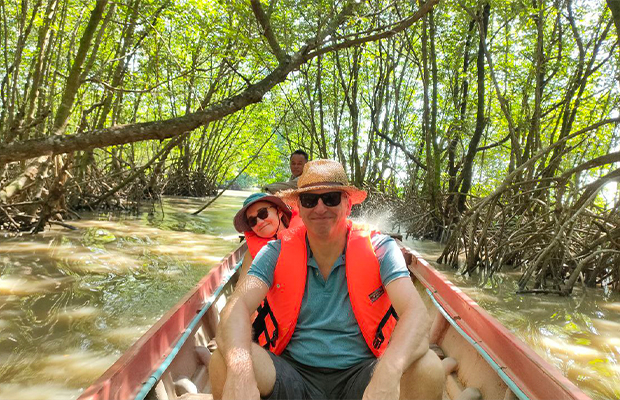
(261, 219)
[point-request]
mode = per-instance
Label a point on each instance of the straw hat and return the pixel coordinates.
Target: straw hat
(241, 221)
(323, 174)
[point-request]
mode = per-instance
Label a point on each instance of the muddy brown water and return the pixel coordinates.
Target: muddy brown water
(580, 335)
(71, 302)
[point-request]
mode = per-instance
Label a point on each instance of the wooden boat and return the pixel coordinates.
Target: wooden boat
(171, 359)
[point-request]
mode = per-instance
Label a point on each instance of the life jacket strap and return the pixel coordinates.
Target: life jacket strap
(379, 338)
(259, 326)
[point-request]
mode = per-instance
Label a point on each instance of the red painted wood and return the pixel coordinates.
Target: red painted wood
(124, 379)
(534, 376)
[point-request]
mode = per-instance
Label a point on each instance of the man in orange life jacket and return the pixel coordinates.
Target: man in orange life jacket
(334, 292)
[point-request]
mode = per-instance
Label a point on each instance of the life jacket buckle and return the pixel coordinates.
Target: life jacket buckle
(378, 341)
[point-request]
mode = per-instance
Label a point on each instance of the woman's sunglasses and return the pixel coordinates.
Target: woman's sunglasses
(310, 200)
(262, 213)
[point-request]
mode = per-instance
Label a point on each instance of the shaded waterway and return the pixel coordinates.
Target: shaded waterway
(71, 302)
(580, 335)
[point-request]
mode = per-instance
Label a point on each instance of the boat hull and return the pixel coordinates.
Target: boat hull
(172, 358)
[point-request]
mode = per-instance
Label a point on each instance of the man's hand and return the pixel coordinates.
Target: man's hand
(384, 384)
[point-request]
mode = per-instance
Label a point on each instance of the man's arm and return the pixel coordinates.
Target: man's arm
(245, 265)
(409, 341)
(275, 187)
(234, 338)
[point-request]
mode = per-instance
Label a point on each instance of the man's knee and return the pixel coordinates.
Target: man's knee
(430, 365)
(424, 379)
(217, 361)
(217, 373)
(264, 371)
(432, 362)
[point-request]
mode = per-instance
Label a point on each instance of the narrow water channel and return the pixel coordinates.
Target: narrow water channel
(580, 335)
(71, 302)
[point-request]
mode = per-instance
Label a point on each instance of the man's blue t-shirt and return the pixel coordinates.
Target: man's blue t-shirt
(327, 334)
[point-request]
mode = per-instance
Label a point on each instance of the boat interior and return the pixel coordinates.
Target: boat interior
(468, 375)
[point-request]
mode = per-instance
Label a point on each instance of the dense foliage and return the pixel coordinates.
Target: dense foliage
(493, 124)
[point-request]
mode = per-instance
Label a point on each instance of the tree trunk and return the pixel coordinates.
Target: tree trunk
(12, 72)
(436, 160)
(458, 131)
(73, 81)
(123, 60)
(466, 174)
(614, 6)
(355, 125)
(319, 79)
(429, 128)
(37, 66)
(533, 138)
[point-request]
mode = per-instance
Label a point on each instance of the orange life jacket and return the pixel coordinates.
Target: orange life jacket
(295, 221)
(255, 242)
(371, 306)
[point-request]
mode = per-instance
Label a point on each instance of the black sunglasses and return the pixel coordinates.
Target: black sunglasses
(310, 200)
(262, 213)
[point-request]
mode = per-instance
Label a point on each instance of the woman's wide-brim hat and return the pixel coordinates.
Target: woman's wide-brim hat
(320, 175)
(241, 221)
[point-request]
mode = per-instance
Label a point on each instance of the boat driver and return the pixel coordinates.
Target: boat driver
(342, 317)
(297, 160)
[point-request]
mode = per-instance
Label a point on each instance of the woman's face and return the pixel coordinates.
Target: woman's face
(269, 225)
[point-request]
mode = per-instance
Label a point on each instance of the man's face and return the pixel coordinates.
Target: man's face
(322, 220)
(297, 164)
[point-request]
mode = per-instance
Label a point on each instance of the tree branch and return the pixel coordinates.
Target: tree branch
(595, 162)
(492, 145)
(265, 23)
(404, 24)
(168, 128)
(160, 130)
(400, 146)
